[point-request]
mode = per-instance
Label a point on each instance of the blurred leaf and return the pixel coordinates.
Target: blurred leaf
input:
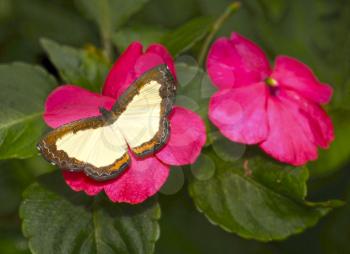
(23, 92)
(12, 242)
(5, 9)
(194, 89)
(116, 13)
(145, 35)
(31, 20)
(40, 18)
(338, 154)
(12, 183)
(76, 223)
(252, 200)
(337, 231)
(15, 176)
(187, 35)
(274, 8)
(169, 13)
(226, 149)
(183, 230)
(83, 67)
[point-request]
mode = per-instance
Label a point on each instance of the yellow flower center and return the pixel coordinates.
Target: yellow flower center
(271, 82)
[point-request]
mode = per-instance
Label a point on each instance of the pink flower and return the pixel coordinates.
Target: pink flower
(277, 108)
(144, 177)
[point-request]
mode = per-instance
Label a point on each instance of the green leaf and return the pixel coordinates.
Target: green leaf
(194, 91)
(145, 35)
(187, 35)
(116, 13)
(13, 243)
(23, 92)
(334, 158)
(194, 88)
(73, 222)
(15, 176)
(286, 179)
(5, 9)
(225, 148)
(83, 67)
(251, 199)
(30, 20)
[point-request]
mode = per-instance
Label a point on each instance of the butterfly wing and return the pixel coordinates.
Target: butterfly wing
(142, 111)
(99, 145)
(90, 145)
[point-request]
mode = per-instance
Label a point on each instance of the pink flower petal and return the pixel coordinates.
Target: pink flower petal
(240, 113)
(295, 75)
(141, 180)
(132, 64)
(122, 73)
(69, 103)
(146, 62)
(161, 51)
(78, 181)
(187, 137)
(155, 55)
(319, 121)
(236, 62)
(290, 138)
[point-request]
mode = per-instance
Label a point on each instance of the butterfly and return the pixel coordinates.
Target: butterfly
(99, 146)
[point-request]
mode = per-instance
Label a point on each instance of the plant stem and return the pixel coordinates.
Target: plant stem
(231, 9)
(105, 28)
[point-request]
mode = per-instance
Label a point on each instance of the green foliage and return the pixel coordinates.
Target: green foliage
(23, 92)
(15, 176)
(109, 15)
(5, 9)
(251, 196)
(87, 67)
(194, 88)
(27, 21)
(169, 13)
(187, 35)
(113, 12)
(59, 220)
(145, 35)
(284, 179)
(253, 200)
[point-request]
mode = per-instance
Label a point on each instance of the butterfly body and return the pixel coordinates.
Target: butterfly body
(137, 123)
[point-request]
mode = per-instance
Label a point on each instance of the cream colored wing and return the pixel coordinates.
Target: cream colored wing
(144, 122)
(99, 145)
(87, 145)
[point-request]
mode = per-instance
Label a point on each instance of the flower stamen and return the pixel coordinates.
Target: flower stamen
(271, 82)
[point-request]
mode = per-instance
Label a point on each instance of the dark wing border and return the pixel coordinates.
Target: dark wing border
(47, 147)
(163, 76)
